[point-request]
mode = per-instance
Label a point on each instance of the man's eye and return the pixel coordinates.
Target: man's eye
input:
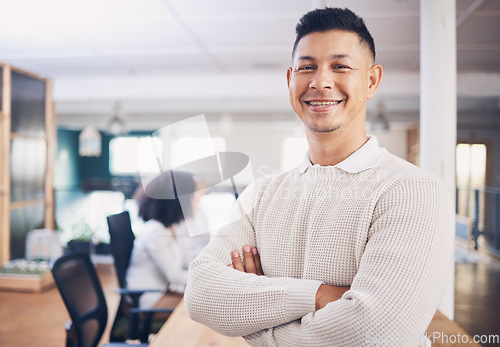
(302, 68)
(341, 67)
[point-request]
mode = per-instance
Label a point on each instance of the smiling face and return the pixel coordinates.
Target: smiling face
(331, 79)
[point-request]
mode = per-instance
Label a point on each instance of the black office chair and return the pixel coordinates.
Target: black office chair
(129, 317)
(81, 291)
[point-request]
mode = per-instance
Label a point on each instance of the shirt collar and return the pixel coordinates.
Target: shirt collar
(366, 157)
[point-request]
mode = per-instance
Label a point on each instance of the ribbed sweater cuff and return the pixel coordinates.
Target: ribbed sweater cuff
(301, 298)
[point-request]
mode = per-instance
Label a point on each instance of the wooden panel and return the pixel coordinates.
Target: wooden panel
(22, 204)
(5, 167)
(44, 129)
(50, 130)
(26, 136)
(445, 332)
(35, 284)
(180, 330)
(27, 73)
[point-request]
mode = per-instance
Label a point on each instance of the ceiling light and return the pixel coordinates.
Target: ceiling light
(117, 125)
(89, 142)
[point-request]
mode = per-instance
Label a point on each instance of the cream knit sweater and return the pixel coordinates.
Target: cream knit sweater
(384, 229)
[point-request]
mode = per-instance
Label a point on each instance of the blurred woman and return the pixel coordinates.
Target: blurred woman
(158, 257)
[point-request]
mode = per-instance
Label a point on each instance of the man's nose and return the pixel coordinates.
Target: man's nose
(322, 79)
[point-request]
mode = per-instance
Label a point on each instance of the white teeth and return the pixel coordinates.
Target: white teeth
(324, 103)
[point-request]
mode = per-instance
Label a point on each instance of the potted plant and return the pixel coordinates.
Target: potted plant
(82, 236)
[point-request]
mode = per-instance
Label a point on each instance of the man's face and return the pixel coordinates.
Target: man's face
(330, 81)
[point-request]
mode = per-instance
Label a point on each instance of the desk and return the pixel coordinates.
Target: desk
(446, 331)
(180, 330)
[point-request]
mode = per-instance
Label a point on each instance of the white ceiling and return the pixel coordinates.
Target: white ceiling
(153, 55)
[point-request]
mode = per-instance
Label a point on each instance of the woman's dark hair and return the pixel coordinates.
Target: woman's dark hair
(169, 211)
(333, 18)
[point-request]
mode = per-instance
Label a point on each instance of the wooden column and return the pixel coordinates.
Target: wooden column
(51, 138)
(5, 166)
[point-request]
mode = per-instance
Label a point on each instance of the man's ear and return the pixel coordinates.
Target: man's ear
(288, 76)
(374, 80)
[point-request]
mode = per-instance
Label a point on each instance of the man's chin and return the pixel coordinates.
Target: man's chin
(322, 129)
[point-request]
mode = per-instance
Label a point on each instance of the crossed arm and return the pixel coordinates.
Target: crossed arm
(251, 264)
(394, 294)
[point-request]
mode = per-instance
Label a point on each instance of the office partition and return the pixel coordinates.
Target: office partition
(27, 143)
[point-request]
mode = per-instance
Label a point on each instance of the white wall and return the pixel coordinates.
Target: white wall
(263, 141)
(393, 140)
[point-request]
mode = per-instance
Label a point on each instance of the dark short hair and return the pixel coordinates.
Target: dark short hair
(168, 211)
(333, 19)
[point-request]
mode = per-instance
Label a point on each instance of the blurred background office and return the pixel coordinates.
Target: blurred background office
(119, 71)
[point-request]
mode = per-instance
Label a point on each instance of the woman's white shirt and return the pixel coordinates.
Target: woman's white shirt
(157, 262)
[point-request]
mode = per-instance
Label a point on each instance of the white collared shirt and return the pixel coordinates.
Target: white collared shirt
(366, 157)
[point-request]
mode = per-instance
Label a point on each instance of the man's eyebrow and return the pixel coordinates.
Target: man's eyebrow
(340, 56)
(333, 56)
(305, 57)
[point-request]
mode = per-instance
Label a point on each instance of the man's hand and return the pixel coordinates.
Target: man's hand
(251, 264)
(251, 260)
(327, 294)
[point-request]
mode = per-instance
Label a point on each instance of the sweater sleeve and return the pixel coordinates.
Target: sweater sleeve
(396, 290)
(235, 303)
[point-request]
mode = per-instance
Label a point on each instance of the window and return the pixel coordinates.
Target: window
(292, 152)
(187, 149)
(471, 165)
(471, 175)
(125, 155)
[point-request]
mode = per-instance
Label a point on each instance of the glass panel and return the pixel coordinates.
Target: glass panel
(28, 105)
(22, 221)
(27, 169)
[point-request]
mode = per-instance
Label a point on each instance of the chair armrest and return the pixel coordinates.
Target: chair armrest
(125, 291)
(71, 336)
(133, 295)
(151, 310)
(148, 316)
(124, 344)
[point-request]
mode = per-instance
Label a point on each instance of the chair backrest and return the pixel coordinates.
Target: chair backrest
(121, 243)
(81, 291)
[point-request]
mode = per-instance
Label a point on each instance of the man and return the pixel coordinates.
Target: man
(352, 247)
